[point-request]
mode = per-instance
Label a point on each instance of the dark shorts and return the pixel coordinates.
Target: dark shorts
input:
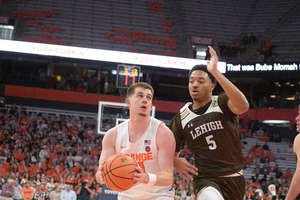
(231, 188)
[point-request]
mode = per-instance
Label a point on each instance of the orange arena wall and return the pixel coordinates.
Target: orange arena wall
(161, 106)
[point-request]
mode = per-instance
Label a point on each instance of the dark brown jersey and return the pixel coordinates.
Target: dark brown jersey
(212, 135)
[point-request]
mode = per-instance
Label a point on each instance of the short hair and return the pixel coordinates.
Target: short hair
(203, 68)
(130, 90)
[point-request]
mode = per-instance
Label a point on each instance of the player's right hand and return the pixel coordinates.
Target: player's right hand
(99, 174)
(183, 167)
(140, 176)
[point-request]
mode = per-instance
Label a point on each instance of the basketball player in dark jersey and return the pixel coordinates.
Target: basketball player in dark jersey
(209, 125)
(294, 190)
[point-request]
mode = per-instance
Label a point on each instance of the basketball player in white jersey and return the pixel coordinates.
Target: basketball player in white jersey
(148, 141)
(294, 190)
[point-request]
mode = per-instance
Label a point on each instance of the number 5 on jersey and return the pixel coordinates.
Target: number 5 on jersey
(212, 144)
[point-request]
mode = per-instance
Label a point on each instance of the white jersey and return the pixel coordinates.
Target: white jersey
(145, 152)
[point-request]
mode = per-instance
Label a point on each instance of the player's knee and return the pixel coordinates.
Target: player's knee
(209, 193)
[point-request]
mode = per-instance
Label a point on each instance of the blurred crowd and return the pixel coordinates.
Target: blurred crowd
(48, 154)
(48, 157)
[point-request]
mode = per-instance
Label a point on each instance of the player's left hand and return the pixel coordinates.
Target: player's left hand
(184, 168)
(140, 176)
(212, 66)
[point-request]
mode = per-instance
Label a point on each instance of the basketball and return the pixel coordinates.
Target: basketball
(118, 171)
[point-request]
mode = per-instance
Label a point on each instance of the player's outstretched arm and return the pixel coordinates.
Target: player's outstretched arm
(294, 189)
(165, 144)
(237, 103)
(108, 149)
(183, 167)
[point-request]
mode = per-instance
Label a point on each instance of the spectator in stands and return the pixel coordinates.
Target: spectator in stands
(279, 173)
(38, 179)
(3, 170)
(288, 174)
(281, 180)
(2, 180)
(270, 155)
(264, 137)
(55, 193)
(249, 158)
(51, 184)
(256, 183)
(275, 168)
(13, 176)
(18, 188)
(264, 170)
(254, 147)
(256, 170)
(61, 184)
(289, 149)
(34, 186)
(263, 159)
(250, 191)
(260, 132)
(19, 155)
(278, 155)
(283, 190)
(277, 185)
(249, 133)
(277, 137)
(263, 179)
(26, 178)
(43, 155)
(94, 195)
(42, 192)
(261, 195)
(258, 152)
(27, 192)
(50, 171)
(83, 191)
(34, 169)
(265, 146)
(247, 196)
(79, 157)
(8, 190)
(255, 196)
(264, 186)
(271, 136)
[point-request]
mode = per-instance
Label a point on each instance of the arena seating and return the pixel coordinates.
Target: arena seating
(55, 112)
(85, 23)
(289, 162)
(215, 18)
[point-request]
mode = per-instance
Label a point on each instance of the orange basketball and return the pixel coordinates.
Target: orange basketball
(117, 172)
